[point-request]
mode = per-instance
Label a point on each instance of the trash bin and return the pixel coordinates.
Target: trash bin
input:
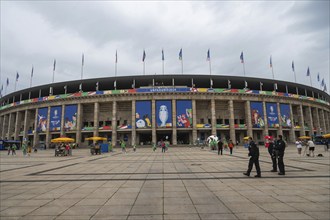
(104, 148)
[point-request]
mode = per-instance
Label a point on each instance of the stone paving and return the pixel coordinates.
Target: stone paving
(183, 183)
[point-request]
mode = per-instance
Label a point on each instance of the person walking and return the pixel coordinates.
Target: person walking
(299, 146)
(254, 158)
(279, 151)
(220, 147)
(231, 146)
(24, 148)
(13, 149)
(272, 154)
(123, 146)
(9, 149)
(162, 144)
(311, 146)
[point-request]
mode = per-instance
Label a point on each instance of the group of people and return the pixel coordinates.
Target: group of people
(310, 146)
(12, 148)
(224, 145)
(276, 150)
(64, 149)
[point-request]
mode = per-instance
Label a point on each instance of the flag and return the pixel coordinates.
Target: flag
(163, 57)
(270, 62)
(82, 59)
(32, 72)
(116, 57)
(54, 65)
(318, 77)
(208, 58)
(308, 73)
(242, 58)
(17, 76)
(7, 81)
(322, 82)
(180, 54)
(292, 66)
(144, 55)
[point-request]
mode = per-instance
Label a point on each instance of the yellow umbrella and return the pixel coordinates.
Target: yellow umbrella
(326, 136)
(62, 139)
(246, 138)
(304, 137)
(96, 139)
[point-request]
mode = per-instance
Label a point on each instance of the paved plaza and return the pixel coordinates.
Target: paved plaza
(183, 183)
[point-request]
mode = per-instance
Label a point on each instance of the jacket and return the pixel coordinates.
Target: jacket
(253, 150)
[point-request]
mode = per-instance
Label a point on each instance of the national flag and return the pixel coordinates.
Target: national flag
(292, 66)
(208, 58)
(143, 55)
(82, 59)
(7, 81)
(318, 77)
(180, 54)
(116, 57)
(32, 72)
(308, 73)
(17, 76)
(322, 82)
(163, 57)
(54, 65)
(242, 58)
(270, 62)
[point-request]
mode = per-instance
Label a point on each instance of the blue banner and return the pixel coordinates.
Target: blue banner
(272, 115)
(42, 119)
(257, 115)
(164, 114)
(184, 118)
(55, 118)
(70, 117)
(143, 114)
(285, 116)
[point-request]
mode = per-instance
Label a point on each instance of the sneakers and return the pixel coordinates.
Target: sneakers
(281, 173)
(246, 174)
(257, 176)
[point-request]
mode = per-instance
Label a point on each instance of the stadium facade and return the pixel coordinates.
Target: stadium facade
(182, 108)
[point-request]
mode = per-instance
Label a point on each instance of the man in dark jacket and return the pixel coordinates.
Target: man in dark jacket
(254, 158)
(220, 147)
(273, 155)
(279, 149)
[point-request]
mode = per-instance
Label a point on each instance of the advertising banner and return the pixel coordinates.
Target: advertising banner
(55, 118)
(70, 117)
(184, 118)
(42, 119)
(257, 115)
(164, 113)
(272, 115)
(285, 116)
(143, 114)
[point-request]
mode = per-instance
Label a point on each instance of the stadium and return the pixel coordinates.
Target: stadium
(182, 108)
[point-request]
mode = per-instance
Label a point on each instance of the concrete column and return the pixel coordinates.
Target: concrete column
(153, 116)
(213, 117)
(48, 136)
(35, 132)
(3, 133)
(317, 120)
(323, 126)
(62, 121)
(114, 123)
(310, 117)
(194, 131)
(265, 119)
(280, 129)
(9, 126)
(231, 121)
(292, 133)
(174, 131)
(18, 122)
(96, 119)
(25, 125)
(1, 127)
(79, 123)
(327, 121)
(248, 118)
(302, 122)
(133, 122)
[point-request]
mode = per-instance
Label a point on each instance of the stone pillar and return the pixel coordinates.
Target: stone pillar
(3, 133)
(79, 123)
(194, 131)
(292, 133)
(9, 126)
(231, 121)
(280, 128)
(18, 122)
(213, 117)
(327, 122)
(265, 118)
(35, 131)
(317, 120)
(1, 127)
(133, 122)
(96, 119)
(248, 118)
(302, 120)
(153, 123)
(62, 121)
(323, 126)
(310, 119)
(174, 133)
(25, 126)
(48, 136)
(114, 124)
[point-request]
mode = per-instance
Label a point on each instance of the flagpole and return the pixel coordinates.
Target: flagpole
(163, 61)
(31, 77)
(310, 77)
(244, 68)
(210, 66)
(116, 64)
(295, 78)
(82, 67)
(182, 65)
(53, 75)
(144, 68)
(15, 85)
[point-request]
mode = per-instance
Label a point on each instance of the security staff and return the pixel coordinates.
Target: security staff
(254, 158)
(272, 154)
(279, 150)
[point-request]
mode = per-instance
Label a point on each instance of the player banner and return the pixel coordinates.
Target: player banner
(143, 114)
(257, 115)
(285, 116)
(70, 117)
(184, 118)
(42, 119)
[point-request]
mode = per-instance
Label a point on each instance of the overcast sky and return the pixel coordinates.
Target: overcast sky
(36, 32)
